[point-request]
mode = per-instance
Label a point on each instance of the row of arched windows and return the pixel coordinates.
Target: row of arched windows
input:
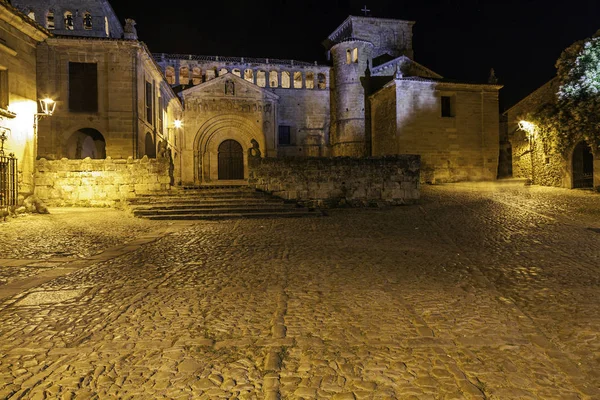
(68, 19)
(261, 78)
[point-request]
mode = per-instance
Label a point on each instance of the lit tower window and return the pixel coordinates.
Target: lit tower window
(69, 20)
(87, 21)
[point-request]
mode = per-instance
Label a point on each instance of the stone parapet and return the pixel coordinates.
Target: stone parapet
(106, 182)
(339, 181)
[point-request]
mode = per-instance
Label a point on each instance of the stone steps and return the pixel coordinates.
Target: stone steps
(215, 203)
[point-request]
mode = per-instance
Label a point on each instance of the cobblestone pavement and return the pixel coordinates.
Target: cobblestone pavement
(478, 292)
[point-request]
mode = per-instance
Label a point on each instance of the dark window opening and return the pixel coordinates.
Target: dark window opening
(285, 137)
(447, 106)
(149, 101)
(87, 21)
(83, 87)
(69, 21)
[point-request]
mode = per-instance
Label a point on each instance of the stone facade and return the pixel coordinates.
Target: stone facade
(339, 181)
(19, 37)
(534, 160)
(106, 182)
(407, 118)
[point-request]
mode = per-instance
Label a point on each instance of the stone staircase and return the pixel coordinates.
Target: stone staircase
(215, 202)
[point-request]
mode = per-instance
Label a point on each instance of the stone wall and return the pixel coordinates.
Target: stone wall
(339, 181)
(105, 182)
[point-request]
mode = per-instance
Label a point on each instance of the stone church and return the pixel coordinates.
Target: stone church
(117, 104)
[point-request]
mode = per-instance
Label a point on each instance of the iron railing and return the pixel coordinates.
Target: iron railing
(9, 184)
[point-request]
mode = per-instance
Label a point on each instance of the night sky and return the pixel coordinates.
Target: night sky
(520, 39)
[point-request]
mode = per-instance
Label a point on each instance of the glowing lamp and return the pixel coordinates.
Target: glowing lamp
(47, 105)
(177, 123)
(528, 127)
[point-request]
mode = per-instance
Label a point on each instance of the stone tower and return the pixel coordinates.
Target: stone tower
(87, 18)
(356, 46)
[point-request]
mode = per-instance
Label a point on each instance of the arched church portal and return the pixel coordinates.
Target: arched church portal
(231, 160)
(86, 142)
(583, 166)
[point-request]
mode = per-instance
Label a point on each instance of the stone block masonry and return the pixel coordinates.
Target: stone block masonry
(340, 181)
(104, 182)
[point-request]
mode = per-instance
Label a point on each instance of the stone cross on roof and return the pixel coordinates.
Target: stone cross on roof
(365, 10)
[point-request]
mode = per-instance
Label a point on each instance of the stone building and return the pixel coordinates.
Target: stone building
(115, 100)
(373, 99)
(532, 159)
(19, 38)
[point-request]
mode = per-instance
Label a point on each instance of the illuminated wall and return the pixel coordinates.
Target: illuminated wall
(19, 37)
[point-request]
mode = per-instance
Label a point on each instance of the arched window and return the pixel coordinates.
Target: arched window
(322, 81)
(273, 79)
(261, 78)
(68, 18)
(249, 75)
(310, 80)
(236, 72)
(86, 142)
(50, 20)
(285, 79)
(223, 71)
(355, 55)
(87, 21)
(211, 73)
(184, 75)
(196, 75)
(348, 56)
(170, 75)
(297, 80)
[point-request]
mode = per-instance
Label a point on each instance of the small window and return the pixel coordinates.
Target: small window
(211, 73)
(285, 138)
(149, 102)
(170, 75)
(69, 21)
(4, 89)
(322, 81)
(196, 75)
(261, 78)
(83, 87)
(31, 15)
(223, 71)
(348, 56)
(50, 20)
(184, 75)
(310, 80)
(285, 79)
(297, 80)
(249, 75)
(237, 72)
(273, 79)
(355, 55)
(447, 106)
(87, 21)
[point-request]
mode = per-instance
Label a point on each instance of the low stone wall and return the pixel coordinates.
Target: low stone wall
(339, 181)
(104, 182)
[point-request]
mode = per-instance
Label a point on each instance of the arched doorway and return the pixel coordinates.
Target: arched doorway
(231, 160)
(583, 166)
(86, 142)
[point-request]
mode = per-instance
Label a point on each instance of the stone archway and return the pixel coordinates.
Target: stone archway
(583, 166)
(86, 142)
(212, 134)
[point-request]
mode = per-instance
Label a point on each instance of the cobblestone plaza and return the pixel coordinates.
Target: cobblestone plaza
(480, 291)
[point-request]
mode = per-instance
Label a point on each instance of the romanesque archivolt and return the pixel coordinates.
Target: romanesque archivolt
(228, 105)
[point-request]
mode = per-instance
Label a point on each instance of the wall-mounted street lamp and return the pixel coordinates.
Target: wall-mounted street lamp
(528, 127)
(4, 132)
(47, 106)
